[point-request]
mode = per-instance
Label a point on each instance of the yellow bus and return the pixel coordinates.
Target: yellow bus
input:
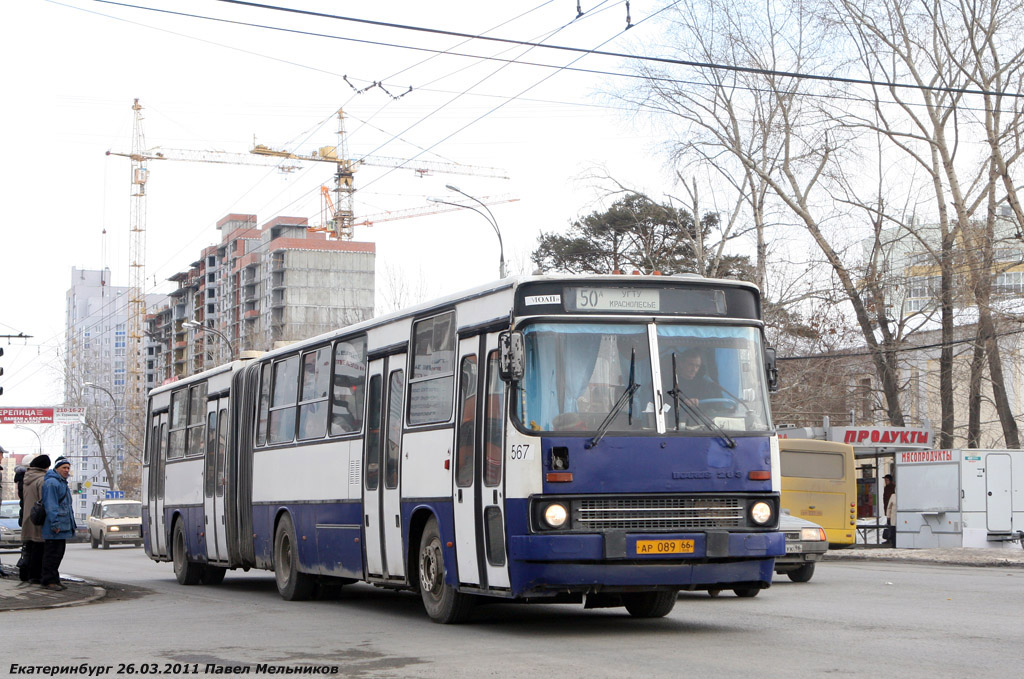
(819, 484)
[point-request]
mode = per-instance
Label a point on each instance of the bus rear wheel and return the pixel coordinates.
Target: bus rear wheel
(650, 604)
(291, 584)
(747, 592)
(187, 572)
(443, 604)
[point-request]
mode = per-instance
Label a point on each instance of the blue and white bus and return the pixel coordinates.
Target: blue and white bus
(540, 438)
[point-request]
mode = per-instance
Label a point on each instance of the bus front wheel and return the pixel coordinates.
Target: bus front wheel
(187, 572)
(650, 604)
(291, 584)
(443, 604)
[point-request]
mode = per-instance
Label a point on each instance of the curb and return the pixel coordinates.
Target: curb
(989, 562)
(79, 592)
(97, 594)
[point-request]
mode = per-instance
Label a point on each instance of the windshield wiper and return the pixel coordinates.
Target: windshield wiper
(626, 397)
(679, 397)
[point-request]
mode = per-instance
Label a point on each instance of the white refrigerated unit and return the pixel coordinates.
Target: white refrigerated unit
(960, 498)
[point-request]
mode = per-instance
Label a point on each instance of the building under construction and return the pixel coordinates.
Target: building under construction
(259, 288)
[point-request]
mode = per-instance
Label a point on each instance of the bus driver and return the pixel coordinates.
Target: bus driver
(694, 386)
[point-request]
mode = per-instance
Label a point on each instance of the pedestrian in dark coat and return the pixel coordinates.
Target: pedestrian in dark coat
(31, 534)
(59, 526)
(19, 481)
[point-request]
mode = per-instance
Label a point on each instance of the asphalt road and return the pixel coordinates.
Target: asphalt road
(853, 619)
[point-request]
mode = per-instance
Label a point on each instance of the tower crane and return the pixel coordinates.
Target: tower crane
(342, 218)
(135, 393)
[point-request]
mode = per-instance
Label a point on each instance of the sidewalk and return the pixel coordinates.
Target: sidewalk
(17, 595)
(949, 556)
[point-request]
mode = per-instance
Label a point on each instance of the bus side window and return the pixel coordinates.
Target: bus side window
(179, 408)
(153, 434)
(348, 385)
(432, 381)
(196, 420)
(396, 392)
(466, 423)
(159, 453)
(494, 423)
(316, 378)
(222, 444)
(211, 452)
(371, 473)
(261, 427)
(283, 398)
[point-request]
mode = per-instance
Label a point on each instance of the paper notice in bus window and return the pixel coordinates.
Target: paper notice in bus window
(616, 299)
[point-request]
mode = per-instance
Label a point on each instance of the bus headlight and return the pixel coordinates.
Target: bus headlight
(555, 515)
(761, 513)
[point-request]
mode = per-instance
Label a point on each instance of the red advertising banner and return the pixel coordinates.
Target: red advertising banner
(42, 415)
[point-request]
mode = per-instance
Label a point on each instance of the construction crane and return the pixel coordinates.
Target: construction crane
(434, 209)
(342, 218)
(327, 211)
(196, 156)
(135, 392)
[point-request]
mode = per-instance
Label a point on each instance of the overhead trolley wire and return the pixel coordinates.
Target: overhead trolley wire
(623, 55)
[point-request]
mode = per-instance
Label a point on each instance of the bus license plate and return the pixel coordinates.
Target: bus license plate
(648, 547)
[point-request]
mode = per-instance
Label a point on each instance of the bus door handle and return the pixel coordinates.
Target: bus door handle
(460, 495)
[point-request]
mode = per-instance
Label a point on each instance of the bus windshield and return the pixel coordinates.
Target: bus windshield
(711, 378)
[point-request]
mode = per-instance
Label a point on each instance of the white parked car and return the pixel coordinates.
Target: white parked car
(115, 522)
(806, 543)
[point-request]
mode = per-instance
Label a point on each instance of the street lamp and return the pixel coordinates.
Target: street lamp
(40, 438)
(199, 327)
(489, 217)
(103, 389)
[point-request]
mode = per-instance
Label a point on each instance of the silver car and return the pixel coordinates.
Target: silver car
(806, 543)
(10, 531)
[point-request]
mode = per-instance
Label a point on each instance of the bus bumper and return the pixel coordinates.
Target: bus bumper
(540, 563)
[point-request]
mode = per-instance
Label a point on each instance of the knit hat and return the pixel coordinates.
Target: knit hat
(61, 461)
(40, 462)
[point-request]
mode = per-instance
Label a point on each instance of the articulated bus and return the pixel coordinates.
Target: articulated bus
(818, 484)
(601, 440)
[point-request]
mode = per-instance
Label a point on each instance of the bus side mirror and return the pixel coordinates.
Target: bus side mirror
(512, 355)
(771, 371)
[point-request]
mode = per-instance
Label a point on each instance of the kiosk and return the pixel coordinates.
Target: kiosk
(960, 498)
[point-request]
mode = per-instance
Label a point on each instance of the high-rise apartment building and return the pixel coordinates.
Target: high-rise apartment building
(96, 342)
(259, 288)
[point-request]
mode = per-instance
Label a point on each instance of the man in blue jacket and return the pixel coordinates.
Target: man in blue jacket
(59, 526)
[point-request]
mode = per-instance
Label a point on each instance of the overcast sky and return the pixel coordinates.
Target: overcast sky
(73, 68)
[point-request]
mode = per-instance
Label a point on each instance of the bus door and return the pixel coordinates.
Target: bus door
(157, 537)
(213, 480)
(464, 484)
(478, 481)
(382, 458)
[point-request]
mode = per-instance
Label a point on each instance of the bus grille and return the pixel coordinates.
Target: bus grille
(661, 513)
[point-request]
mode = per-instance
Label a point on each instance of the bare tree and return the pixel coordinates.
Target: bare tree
(771, 126)
(105, 421)
(402, 289)
(965, 65)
